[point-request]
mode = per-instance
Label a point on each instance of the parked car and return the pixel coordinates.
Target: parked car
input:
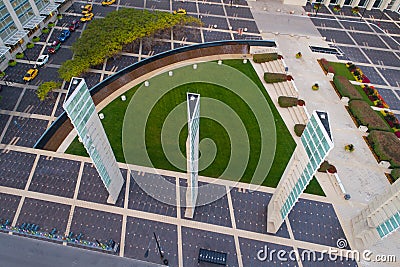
(41, 60)
(75, 24)
(180, 11)
(29, 76)
(87, 9)
(54, 47)
(65, 34)
(87, 17)
(108, 2)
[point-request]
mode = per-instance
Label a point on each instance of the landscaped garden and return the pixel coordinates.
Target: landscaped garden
(383, 126)
(209, 129)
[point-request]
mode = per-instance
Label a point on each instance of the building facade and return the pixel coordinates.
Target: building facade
(379, 219)
(21, 19)
(192, 151)
(316, 143)
(80, 108)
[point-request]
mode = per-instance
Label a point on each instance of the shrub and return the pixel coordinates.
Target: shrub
(287, 101)
(19, 55)
(331, 69)
(299, 128)
(59, 16)
(324, 166)
(325, 64)
(395, 173)
(45, 30)
(30, 45)
(365, 115)
(386, 146)
(301, 102)
(274, 77)
(345, 88)
(332, 169)
(51, 25)
(12, 63)
(2, 74)
(260, 58)
(349, 147)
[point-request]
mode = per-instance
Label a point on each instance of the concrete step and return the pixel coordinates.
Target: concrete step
(278, 89)
(281, 66)
(264, 67)
(303, 115)
(293, 115)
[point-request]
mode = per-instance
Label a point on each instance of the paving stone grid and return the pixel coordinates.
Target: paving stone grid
(136, 216)
(370, 41)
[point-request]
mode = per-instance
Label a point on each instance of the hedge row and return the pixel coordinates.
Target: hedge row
(386, 145)
(260, 58)
(287, 101)
(275, 77)
(366, 116)
(345, 87)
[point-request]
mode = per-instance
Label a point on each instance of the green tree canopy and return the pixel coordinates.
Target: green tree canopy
(104, 38)
(45, 88)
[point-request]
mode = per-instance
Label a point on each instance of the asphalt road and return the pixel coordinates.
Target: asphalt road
(16, 251)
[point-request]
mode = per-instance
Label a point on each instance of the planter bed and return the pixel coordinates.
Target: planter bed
(386, 145)
(365, 115)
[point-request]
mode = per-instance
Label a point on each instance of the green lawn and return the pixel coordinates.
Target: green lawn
(285, 145)
(342, 70)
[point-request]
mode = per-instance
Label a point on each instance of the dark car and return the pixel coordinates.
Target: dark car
(65, 34)
(74, 25)
(54, 47)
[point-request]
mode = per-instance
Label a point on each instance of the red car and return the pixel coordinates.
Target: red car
(74, 25)
(54, 47)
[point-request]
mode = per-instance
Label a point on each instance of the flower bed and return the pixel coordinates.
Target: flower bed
(357, 73)
(261, 58)
(366, 116)
(337, 8)
(374, 96)
(276, 77)
(345, 88)
(393, 122)
(287, 101)
(386, 146)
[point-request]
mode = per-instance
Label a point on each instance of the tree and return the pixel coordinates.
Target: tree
(45, 88)
(105, 38)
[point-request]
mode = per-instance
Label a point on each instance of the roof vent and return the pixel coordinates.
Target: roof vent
(75, 81)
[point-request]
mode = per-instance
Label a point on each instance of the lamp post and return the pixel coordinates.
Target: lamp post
(146, 254)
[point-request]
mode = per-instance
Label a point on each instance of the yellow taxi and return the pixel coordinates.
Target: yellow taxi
(87, 17)
(31, 74)
(107, 2)
(180, 11)
(86, 9)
